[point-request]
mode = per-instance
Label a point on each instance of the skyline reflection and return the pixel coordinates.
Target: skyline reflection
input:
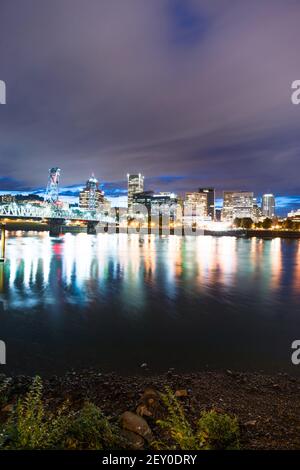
(117, 300)
(75, 261)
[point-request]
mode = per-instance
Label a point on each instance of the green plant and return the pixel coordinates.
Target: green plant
(176, 424)
(4, 391)
(90, 429)
(218, 431)
(31, 426)
(213, 431)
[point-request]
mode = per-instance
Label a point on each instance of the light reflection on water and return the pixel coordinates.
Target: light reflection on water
(118, 300)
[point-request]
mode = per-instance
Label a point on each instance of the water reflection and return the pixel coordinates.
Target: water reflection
(126, 299)
(82, 265)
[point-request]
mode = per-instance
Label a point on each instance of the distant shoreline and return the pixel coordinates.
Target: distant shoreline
(244, 233)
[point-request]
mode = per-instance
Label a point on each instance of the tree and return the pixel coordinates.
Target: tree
(237, 222)
(267, 223)
(247, 223)
(288, 224)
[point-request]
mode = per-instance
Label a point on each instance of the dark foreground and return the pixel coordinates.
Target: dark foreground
(267, 407)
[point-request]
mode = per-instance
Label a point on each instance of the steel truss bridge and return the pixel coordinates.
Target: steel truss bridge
(55, 217)
(48, 211)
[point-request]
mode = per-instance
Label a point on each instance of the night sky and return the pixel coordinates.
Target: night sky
(189, 92)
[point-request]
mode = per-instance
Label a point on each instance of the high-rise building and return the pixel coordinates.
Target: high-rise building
(268, 205)
(196, 204)
(257, 213)
(237, 204)
(135, 185)
(91, 197)
(210, 201)
(157, 203)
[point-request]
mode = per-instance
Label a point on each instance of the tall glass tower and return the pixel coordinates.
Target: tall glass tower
(268, 205)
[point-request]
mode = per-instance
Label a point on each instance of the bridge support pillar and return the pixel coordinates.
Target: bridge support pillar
(2, 254)
(91, 228)
(55, 227)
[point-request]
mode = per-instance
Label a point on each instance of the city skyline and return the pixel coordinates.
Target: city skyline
(117, 193)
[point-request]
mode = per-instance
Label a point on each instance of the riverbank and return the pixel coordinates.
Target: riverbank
(267, 407)
(39, 226)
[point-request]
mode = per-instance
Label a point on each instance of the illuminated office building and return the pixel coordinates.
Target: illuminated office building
(237, 204)
(196, 204)
(210, 192)
(91, 197)
(135, 186)
(268, 205)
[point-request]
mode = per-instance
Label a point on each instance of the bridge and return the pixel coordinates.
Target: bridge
(54, 215)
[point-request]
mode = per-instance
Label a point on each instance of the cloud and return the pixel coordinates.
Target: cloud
(197, 91)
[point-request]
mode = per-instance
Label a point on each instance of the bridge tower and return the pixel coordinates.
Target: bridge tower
(52, 191)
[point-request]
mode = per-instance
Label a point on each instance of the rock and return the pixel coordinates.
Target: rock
(133, 440)
(150, 394)
(132, 422)
(181, 393)
(142, 410)
(8, 408)
(144, 365)
(251, 423)
(149, 403)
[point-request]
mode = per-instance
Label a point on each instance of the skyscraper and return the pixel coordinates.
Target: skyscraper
(210, 201)
(91, 197)
(196, 203)
(237, 204)
(268, 205)
(135, 185)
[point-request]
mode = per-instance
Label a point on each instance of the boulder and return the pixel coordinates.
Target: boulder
(133, 440)
(134, 423)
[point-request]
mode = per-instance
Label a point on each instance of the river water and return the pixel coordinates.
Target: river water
(116, 301)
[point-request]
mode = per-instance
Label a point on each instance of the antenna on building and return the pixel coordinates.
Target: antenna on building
(52, 191)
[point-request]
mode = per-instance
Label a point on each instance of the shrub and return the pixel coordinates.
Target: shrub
(176, 423)
(30, 426)
(213, 431)
(33, 426)
(218, 431)
(4, 391)
(90, 429)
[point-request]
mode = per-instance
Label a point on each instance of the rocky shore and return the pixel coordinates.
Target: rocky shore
(267, 407)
